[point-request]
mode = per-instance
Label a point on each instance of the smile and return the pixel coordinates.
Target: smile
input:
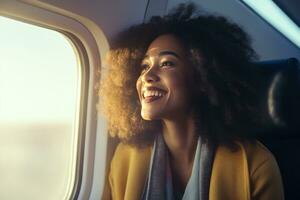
(152, 95)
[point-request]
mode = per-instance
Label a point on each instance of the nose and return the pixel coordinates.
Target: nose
(150, 75)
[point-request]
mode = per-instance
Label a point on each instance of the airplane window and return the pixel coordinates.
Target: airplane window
(39, 89)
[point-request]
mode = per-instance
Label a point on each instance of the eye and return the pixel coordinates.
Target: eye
(167, 64)
(144, 67)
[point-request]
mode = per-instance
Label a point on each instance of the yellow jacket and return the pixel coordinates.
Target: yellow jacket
(250, 172)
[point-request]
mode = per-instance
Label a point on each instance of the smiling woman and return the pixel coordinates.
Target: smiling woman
(179, 94)
(164, 79)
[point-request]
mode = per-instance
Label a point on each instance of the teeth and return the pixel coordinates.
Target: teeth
(150, 93)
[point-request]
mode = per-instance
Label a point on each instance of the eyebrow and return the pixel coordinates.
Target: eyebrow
(163, 53)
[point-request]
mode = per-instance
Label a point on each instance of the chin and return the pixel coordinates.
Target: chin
(149, 116)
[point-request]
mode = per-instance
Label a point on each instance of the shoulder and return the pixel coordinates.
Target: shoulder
(250, 166)
(126, 155)
(252, 151)
(265, 178)
(124, 152)
(257, 156)
(249, 154)
(128, 171)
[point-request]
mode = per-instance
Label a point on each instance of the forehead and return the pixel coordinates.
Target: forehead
(166, 42)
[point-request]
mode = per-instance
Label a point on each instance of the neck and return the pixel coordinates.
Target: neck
(181, 138)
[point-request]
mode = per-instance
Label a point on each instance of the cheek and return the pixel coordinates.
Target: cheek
(179, 89)
(176, 81)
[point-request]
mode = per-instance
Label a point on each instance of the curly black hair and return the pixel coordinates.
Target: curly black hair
(224, 103)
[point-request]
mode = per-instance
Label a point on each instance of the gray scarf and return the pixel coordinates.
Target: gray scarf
(155, 187)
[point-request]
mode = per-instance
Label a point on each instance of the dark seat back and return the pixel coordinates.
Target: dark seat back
(281, 106)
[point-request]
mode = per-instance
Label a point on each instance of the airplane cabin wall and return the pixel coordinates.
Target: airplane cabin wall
(113, 16)
(110, 15)
(267, 42)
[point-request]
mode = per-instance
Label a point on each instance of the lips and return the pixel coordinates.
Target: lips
(150, 99)
(150, 94)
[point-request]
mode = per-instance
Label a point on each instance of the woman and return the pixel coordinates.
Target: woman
(179, 94)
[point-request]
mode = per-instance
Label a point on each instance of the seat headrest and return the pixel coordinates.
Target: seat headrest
(281, 93)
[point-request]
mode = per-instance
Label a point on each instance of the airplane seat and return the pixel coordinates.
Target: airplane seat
(280, 107)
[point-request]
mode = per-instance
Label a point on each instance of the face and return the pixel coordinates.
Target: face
(162, 85)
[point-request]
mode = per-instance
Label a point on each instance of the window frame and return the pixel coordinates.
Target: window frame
(91, 45)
